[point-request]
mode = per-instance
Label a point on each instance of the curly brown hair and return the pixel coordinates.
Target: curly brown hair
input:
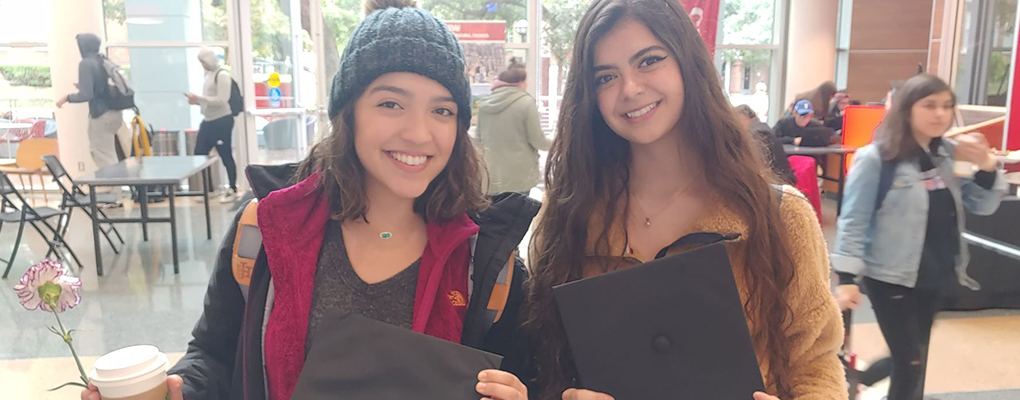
(588, 174)
(458, 189)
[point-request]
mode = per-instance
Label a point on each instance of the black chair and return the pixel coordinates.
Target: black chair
(73, 197)
(35, 217)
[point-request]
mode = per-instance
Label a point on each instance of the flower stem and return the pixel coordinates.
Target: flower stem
(67, 339)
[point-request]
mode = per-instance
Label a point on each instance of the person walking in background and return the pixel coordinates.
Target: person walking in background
(217, 127)
(510, 132)
(104, 121)
(773, 147)
(902, 218)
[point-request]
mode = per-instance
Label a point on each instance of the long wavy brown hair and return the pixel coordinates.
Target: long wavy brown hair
(456, 190)
(588, 174)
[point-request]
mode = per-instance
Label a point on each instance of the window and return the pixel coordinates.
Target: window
(749, 55)
(985, 50)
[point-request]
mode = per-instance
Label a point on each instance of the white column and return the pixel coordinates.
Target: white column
(811, 46)
(69, 18)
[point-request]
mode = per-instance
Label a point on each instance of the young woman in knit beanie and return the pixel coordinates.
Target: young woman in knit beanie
(649, 150)
(387, 220)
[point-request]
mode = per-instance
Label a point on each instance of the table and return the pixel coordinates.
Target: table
(141, 173)
(834, 149)
(5, 127)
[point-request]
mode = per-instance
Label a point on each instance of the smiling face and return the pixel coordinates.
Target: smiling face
(405, 130)
(640, 90)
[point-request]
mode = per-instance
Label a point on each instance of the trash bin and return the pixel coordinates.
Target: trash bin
(164, 142)
(195, 181)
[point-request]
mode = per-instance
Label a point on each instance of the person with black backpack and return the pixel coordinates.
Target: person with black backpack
(903, 215)
(220, 101)
(102, 84)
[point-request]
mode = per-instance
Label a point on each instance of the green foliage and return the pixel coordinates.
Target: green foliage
(747, 22)
(113, 10)
(451, 10)
(341, 16)
(561, 18)
(19, 75)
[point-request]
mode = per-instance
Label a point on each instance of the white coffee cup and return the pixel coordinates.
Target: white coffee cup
(131, 373)
(964, 169)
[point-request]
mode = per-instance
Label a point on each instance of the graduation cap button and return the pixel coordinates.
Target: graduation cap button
(661, 344)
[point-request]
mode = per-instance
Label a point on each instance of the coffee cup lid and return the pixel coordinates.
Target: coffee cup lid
(128, 363)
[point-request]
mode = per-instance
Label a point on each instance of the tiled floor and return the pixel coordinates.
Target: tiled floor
(140, 300)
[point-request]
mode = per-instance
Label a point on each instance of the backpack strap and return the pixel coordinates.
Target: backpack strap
(247, 242)
(501, 290)
(885, 181)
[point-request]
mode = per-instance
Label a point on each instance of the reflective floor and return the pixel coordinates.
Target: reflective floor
(141, 300)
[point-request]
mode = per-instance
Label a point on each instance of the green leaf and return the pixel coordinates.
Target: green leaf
(68, 384)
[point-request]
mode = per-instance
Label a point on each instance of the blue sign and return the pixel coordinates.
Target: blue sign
(274, 97)
(491, 7)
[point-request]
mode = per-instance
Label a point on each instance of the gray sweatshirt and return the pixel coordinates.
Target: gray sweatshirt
(216, 90)
(91, 76)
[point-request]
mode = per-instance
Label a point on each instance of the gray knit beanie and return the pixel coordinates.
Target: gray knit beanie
(395, 36)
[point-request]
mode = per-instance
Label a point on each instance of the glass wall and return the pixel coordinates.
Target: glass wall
(747, 53)
(985, 47)
(26, 94)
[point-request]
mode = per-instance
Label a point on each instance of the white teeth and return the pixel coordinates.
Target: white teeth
(408, 159)
(643, 111)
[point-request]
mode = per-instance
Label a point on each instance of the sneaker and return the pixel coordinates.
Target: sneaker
(229, 196)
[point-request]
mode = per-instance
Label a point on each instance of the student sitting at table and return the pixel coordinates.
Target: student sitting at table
(802, 129)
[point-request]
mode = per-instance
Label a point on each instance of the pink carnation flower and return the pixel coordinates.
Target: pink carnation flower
(45, 286)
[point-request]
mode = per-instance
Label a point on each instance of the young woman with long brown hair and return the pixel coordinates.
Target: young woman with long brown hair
(648, 150)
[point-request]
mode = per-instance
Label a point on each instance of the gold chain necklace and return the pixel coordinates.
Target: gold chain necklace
(648, 217)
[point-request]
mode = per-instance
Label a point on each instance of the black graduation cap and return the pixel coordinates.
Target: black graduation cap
(672, 328)
(358, 358)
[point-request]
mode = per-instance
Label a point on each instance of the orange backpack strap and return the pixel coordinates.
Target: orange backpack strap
(501, 290)
(247, 242)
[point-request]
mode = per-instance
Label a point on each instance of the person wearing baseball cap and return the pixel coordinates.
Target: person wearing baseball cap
(790, 130)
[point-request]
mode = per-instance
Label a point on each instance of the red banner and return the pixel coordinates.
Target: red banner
(705, 15)
(478, 31)
(1013, 106)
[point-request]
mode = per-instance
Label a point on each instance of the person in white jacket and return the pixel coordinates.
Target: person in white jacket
(217, 126)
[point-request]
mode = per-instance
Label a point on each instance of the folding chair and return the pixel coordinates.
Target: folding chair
(33, 216)
(74, 197)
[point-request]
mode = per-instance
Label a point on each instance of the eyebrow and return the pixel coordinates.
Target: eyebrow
(405, 93)
(392, 89)
(633, 58)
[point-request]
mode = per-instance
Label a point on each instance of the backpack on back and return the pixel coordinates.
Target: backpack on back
(119, 95)
(236, 100)
(885, 181)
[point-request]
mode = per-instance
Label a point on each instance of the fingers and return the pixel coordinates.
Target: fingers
(764, 396)
(501, 377)
(176, 385)
(501, 385)
(90, 395)
(581, 394)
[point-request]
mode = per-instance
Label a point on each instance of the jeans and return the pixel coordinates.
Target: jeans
(218, 133)
(905, 317)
